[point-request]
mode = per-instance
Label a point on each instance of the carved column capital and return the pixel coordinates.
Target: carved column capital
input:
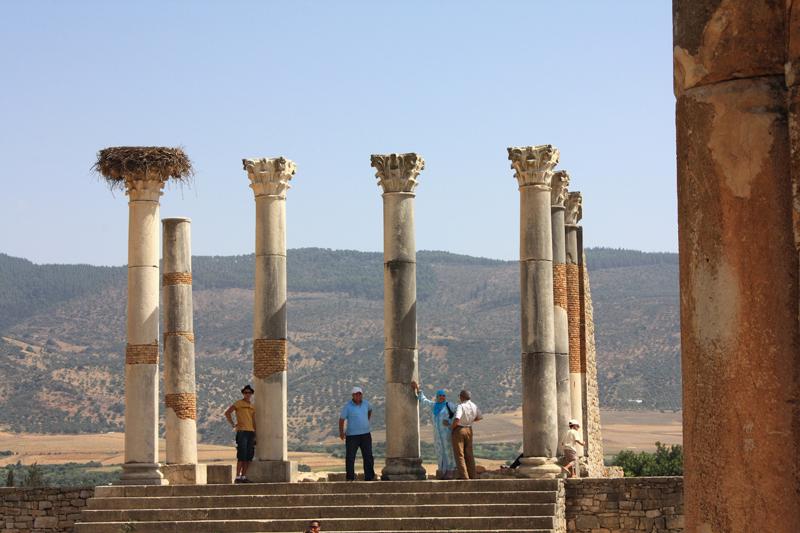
(397, 172)
(558, 192)
(269, 176)
(533, 165)
(140, 188)
(574, 205)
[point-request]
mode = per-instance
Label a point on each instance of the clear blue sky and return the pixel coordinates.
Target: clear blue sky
(327, 84)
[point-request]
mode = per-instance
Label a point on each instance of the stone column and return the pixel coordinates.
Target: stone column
(574, 212)
(533, 166)
(141, 352)
(397, 175)
(180, 396)
(561, 325)
(269, 179)
(738, 268)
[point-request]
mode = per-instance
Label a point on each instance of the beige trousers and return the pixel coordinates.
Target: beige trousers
(462, 450)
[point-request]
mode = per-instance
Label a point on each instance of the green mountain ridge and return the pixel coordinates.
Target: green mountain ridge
(62, 369)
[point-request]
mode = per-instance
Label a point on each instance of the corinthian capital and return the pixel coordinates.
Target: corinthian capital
(558, 193)
(574, 205)
(269, 176)
(397, 172)
(533, 165)
(144, 189)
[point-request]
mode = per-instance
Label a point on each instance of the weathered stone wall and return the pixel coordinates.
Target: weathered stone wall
(625, 505)
(41, 510)
(591, 395)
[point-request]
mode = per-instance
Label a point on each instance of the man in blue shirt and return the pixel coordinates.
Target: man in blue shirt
(357, 414)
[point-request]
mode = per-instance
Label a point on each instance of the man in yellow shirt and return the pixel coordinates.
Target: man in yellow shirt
(245, 427)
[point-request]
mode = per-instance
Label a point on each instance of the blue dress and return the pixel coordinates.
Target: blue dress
(442, 442)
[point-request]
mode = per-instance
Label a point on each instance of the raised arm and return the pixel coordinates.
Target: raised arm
(421, 395)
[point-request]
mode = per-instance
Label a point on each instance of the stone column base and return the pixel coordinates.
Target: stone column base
(142, 474)
(539, 468)
(185, 474)
(403, 469)
(272, 471)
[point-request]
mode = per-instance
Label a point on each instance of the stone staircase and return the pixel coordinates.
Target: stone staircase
(514, 505)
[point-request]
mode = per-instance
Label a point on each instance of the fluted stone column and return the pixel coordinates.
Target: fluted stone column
(397, 175)
(738, 266)
(141, 352)
(558, 195)
(533, 166)
(180, 396)
(572, 216)
(269, 179)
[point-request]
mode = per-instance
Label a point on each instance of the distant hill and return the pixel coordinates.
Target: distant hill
(61, 363)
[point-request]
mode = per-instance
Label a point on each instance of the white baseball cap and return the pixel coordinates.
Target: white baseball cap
(573, 422)
(357, 390)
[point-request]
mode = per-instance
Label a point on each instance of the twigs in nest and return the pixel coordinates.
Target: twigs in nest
(142, 162)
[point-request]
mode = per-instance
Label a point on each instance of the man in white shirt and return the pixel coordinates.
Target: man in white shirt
(569, 443)
(467, 413)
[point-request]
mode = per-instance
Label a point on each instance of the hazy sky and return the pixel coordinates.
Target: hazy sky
(327, 84)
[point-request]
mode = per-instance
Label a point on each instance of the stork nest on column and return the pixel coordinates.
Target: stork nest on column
(116, 164)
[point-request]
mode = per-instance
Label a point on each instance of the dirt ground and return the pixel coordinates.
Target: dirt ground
(636, 430)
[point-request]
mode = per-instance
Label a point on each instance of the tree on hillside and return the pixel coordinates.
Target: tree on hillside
(9, 476)
(34, 477)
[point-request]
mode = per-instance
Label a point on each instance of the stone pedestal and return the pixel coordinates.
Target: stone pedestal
(738, 266)
(572, 216)
(269, 179)
(141, 352)
(558, 195)
(185, 474)
(180, 396)
(533, 166)
(397, 175)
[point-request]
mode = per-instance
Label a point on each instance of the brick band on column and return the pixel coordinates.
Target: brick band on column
(183, 403)
(574, 317)
(269, 357)
(141, 354)
(188, 335)
(582, 326)
(176, 278)
(560, 285)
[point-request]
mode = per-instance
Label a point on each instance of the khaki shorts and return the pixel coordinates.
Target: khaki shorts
(569, 456)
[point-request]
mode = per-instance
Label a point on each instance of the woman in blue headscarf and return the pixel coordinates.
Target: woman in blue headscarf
(442, 413)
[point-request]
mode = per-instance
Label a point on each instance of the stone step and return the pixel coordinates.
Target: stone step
(485, 523)
(351, 511)
(275, 500)
(331, 487)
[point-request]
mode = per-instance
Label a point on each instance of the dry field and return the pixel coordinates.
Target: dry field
(636, 430)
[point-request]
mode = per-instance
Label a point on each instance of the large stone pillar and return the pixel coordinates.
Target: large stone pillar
(142, 171)
(558, 195)
(180, 396)
(533, 166)
(574, 212)
(141, 352)
(738, 268)
(269, 179)
(397, 175)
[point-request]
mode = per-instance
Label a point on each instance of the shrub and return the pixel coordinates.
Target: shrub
(666, 461)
